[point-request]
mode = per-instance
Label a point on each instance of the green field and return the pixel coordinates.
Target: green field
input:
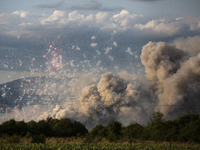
(99, 146)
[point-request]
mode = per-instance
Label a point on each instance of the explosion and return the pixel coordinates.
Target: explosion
(171, 85)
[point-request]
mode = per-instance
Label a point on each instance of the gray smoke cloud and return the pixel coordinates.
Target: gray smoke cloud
(189, 44)
(113, 98)
(171, 85)
(174, 74)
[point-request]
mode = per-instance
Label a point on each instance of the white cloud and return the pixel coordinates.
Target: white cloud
(132, 25)
(193, 22)
(57, 15)
(102, 17)
(22, 14)
(179, 18)
(76, 16)
(26, 24)
(89, 18)
(162, 27)
(124, 19)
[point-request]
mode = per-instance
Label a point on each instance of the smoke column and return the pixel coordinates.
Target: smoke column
(174, 74)
(112, 98)
(171, 85)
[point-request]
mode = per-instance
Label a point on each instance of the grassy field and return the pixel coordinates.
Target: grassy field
(99, 146)
(74, 143)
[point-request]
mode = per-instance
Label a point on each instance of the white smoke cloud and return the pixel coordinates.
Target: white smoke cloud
(78, 48)
(189, 44)
(72, 63)
(107, 49)
(93, 44)
(93, 37)
(172, 80)
(98, 63)
(115, 43)
(129, 51)
(112, 58)
(106, 101)
(173, 72)
(98, 52)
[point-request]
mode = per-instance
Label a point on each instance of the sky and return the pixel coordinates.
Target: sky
(144, 7)
(120, 28)
(126, 57)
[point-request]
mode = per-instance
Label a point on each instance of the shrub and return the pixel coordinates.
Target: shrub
(14, 139)
(38, 139)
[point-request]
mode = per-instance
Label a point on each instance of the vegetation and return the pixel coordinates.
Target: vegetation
(44, 128)
(99, 146)
(186, 128)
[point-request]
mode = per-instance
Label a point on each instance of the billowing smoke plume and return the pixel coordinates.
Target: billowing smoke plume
(114, 98)
(171, 85)
(174, 74)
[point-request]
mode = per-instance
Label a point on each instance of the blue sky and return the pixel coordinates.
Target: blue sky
(144, 7)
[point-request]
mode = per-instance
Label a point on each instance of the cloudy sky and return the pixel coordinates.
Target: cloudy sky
(80, 36)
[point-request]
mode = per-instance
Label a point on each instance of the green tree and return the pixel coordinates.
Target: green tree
(171, 130)
(44, 128)
(22, 128)
(114, 131)
(189, 128)
(32, 127)
(9, 127)
(133, 131)
(156, 127)
(95, 131)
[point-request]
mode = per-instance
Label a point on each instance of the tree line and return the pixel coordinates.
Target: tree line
(49, 128)
(183, 129)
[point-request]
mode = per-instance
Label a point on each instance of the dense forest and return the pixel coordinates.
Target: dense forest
(183, 129)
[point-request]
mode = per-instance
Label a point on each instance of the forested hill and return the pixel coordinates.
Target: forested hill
(184, 128)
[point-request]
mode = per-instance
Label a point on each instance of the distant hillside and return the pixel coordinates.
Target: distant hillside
(26, 91)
